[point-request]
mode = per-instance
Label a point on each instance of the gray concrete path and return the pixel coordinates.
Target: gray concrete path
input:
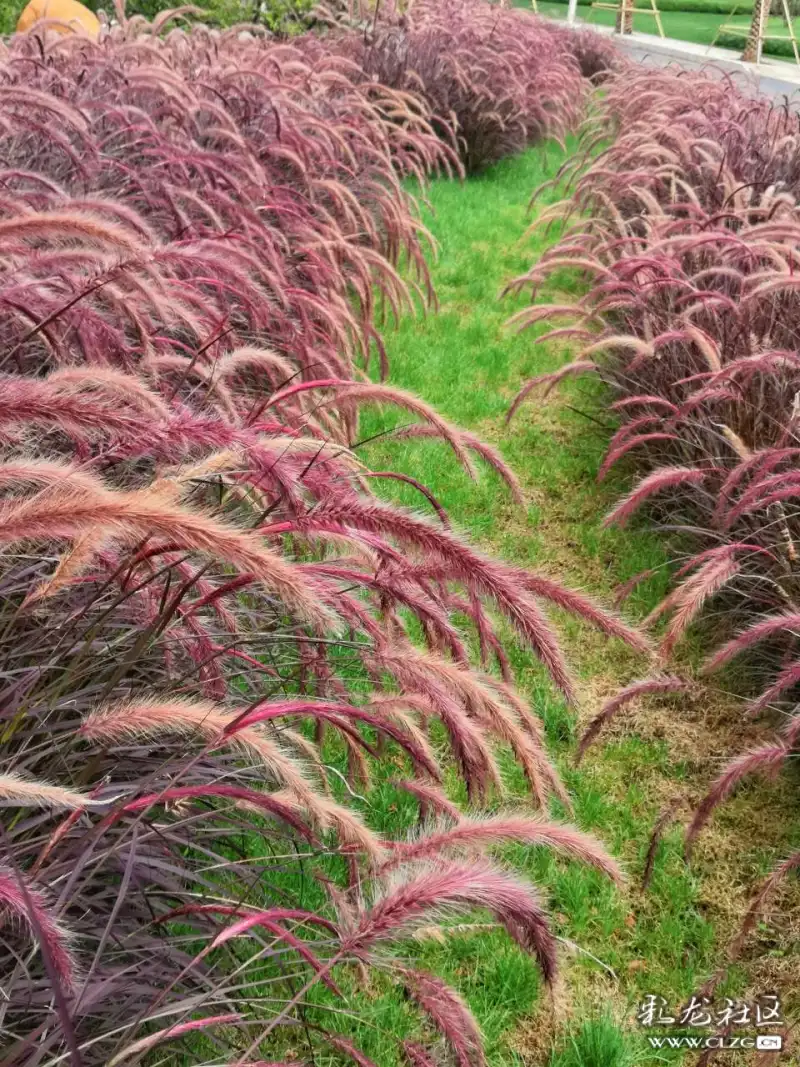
(774, 77)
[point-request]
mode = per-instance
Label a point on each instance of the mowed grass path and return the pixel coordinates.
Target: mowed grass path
(467, 362)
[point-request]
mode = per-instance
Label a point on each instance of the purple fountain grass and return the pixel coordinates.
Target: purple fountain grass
(585, 608)
(140, 721)
(69, 514)
(449, 886)
(469, 744)
(358, 392)
(170, 1033)
(581, 366)
(655, 482)
(27, 906)
(756, 905)
(495, 79)
(430, 798)
(341, 1044)
(417, 1056)
(338, 715)
(786, 622)
(459, 563)
(268, 803)
(690, 597)
(477, 834)
(201, 233)
(768, 759)
(32, 793)
(684, 235)
(449, 1014)
(477, 708)
(786, 680)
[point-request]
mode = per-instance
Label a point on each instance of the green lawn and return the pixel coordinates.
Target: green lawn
(465, 361)
(681, 25)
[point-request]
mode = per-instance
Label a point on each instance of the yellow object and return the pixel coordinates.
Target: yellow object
(70, 12)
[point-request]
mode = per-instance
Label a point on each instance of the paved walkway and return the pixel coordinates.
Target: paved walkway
(774, 77)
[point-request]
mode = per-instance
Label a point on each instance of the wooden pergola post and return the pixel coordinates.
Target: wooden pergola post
(625, 17)
(624, 10)
(755, 38)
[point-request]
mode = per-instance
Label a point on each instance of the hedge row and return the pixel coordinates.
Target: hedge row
(771, 48)
(284, 16)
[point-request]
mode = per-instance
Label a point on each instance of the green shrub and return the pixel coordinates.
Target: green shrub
(705, 7)
(9, 13)
(771, 48)
(282, 16)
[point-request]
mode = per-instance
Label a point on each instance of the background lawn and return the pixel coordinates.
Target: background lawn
(696, 26)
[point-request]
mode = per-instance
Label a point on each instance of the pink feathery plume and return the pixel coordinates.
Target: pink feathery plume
(417, 1056)
(337, 715)
(655, 482)
(429, 797)
(341, 1044)
(644, 400)
(72, 510)
(723, 550)
(468, 741)
(585, 608)
(764, 461)
(137, 720)
(716, 567)
(760, 631)
(218, 791)
(462, 886)
(352, 391)
(658, 684)
(579, 366)
(757, 903)
(762, 495)
(32, 793)
(144, 1044)
(29, 907)
(493, 579)
(477, 833)
(615, 454)
(276, 914)
(693, 594)
(271, 921)
(768, 760)
(449, 1014)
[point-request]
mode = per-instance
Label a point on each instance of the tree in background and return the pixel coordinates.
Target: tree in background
(762, 9)
(751, 45)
